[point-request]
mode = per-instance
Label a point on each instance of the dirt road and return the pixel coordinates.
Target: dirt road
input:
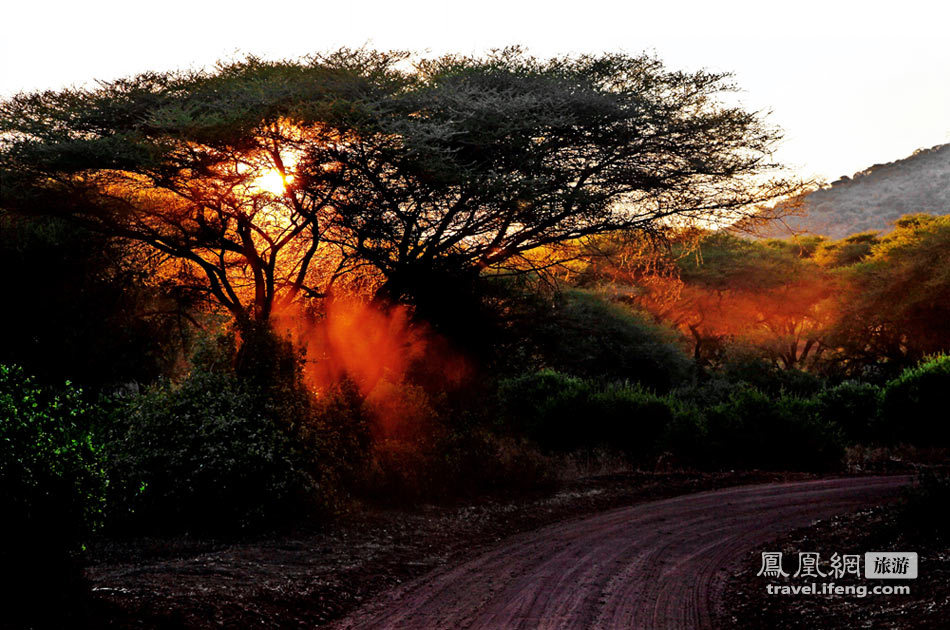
(655, 565)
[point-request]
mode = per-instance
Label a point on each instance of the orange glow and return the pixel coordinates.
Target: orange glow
(786, 320)
(380, 350)
(265, 170)
(271, 181)
(367, 344)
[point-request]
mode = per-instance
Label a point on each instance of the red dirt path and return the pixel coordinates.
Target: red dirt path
(655, 565)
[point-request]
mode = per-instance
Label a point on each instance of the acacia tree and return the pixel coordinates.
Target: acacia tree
(895, 301)
(485, 159)
(771, 295)
(198, 165)
(447, 167)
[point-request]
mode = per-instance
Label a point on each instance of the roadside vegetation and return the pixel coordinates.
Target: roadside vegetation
(265, 297)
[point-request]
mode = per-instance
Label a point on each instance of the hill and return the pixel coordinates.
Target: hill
(873, 198)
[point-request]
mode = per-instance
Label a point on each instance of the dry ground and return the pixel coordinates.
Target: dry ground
(309, 578)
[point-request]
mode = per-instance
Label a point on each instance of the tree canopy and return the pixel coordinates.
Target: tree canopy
(894, 306)
(866, 304)
(269, 182)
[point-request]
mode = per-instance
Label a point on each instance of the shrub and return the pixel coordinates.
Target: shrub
(545, 406)
(588, 336)
(708, 392)
(566, 413)
(341, 429)
(627, 418)
(52, 489)
(755, 430)
(475, 462)
(402, 411)
(914, 405)
(722, 425)
(766, 377)
(854, 407)
(685, 438)
(208, 454)
(399, 472)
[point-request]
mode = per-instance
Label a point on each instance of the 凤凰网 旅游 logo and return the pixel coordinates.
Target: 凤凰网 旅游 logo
(890, 565)
(878, 565)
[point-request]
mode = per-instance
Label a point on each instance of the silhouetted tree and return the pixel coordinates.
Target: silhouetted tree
(486, 159)
(271, 179)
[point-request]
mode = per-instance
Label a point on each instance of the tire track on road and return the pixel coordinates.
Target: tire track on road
(661, 564)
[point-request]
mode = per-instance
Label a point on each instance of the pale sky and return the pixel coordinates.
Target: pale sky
(851, 83)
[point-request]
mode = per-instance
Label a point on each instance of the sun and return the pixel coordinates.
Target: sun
(271, 181)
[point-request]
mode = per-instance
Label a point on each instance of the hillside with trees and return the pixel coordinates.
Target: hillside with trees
(276, 295)
(872, 199)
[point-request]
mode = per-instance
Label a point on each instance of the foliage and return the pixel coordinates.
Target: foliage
(51, 469)
(895, 303)
(685, 439)
(341, 426)
(767, 377)
(433, 447)
(711, 389)
(448, 166)
(449, 185)
(755, 430)
(544, 406)
(85, 307)
(52, 489)
(847, 251)
(588, 336)
(562, 412)
(210, 453)
(630, 419)
(854, 406)
(713, 425)
(724, 290)
(863, 307)
(914, 404)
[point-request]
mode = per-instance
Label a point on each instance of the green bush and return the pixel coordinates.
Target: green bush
(588, 336)
(685, 438)
(565, 413)
(627, 418)
(545, 407)
(914, 405)
(52, 488)
(708, 392)
(209, 454)
(854, 407)
(766, 377)
(716, 425)
(756, 430)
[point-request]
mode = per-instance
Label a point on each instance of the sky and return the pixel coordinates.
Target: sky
(850, 83)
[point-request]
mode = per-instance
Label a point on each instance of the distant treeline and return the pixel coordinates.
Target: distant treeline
(864, 306)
